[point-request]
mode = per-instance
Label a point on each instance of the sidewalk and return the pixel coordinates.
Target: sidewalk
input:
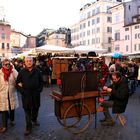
(50, 129)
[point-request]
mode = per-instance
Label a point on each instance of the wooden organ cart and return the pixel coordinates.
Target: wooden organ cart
(77, 100)
(60, 64)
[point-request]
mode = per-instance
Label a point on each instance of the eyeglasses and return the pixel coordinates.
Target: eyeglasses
(8, 64)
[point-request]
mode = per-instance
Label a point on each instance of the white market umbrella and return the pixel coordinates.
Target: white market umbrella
(86, 49)
(53, 49)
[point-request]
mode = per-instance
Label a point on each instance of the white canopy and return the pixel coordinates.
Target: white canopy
(86, 49)
(108, 54)
(53, 49)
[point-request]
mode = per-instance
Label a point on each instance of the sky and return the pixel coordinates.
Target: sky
(32, 16)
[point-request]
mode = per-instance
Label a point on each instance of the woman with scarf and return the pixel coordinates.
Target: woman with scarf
(8, 94)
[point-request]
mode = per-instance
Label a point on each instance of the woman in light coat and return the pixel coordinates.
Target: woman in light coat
(138, 78)
(8, 94)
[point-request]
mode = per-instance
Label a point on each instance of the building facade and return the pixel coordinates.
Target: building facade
(125, 27)
(21, 42)
(59, 37)
(31, 41)
(94, 27)
(5, 32)
(56, 39)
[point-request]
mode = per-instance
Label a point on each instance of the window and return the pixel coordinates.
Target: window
(88, 32)
(3, 35)
(98, 20)
(93, 41)
(109, 29)
(98, 10)
(80, 26)
(129, 7)
(8, 47)
(93, 12)
(126, 29)
(93, 21)
(126, 48)
(3, 46)
(88, 15)
(139, 35)
(84, 25)
(109, 39)
(109, 19)
(83, 34)
(97, 40)
(93, 31)
(117, 36)
(88, 23)
(98, 30)
(126, 37)
(109, 49)
(108, 9)
(135, 36)
(117, 48)
(137, 26)
(139, 47)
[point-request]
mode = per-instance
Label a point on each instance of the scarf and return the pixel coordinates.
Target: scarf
(7, 73)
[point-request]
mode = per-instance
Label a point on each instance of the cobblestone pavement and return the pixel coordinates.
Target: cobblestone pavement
(50, 129)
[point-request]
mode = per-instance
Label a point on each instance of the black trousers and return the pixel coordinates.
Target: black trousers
(7, 115)
(106, 105)
(31, 115)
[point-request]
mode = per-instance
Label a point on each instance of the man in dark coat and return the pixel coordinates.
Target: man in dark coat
(118, 99)
(30, 85)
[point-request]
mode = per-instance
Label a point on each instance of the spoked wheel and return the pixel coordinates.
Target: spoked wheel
(79, 123)
(73, 122)
(60, 121)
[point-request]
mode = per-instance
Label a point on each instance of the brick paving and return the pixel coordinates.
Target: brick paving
(50, 129)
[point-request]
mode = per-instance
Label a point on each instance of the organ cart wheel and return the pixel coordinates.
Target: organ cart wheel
(73, 123)
(79, 123)
(60, 121)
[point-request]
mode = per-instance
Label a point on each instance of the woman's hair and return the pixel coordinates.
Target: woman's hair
(5, 60)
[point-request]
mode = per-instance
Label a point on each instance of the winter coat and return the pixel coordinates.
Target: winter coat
(138, 73)
(8, 87)
(120, 95)
(32, 85)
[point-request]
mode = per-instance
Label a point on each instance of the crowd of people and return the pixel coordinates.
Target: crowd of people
(28, 77)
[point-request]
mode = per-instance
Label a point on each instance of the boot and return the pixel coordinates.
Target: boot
(3, 129)
(27, 131)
